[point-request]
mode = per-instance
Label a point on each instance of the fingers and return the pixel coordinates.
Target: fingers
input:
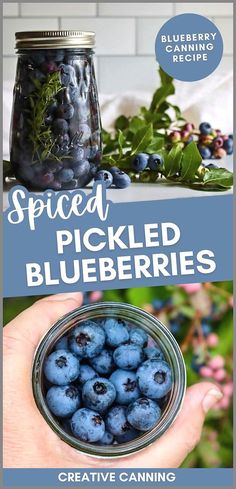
(174, 446)
(22, 335)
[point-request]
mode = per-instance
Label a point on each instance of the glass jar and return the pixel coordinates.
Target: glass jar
(55, 130)
(155, 330)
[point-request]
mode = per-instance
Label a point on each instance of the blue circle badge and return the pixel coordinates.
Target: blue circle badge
(189, 47)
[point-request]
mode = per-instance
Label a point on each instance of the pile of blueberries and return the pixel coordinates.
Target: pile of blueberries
(212, 144)
(107, 382)
(73, 118)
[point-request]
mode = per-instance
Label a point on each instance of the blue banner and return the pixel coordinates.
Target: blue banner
(118, 477)
(72, 241)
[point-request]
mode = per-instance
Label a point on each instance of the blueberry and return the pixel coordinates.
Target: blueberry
(73, 93)
(86, 373)
(87, 339)
(61, 344)
(231, 136)
(103, 363)
(67, 75)
(128, 357)
(205, 128)
(138, 336)
(107, 439)
(140, 162)
(206, 329)
(153, 352)
(98, 394)
(65, 111)
(121, 179)
(116, 332)
(143, 414)
(61, 367)
(174, 327)
(44, 181)
(126, 386)
(77, 154)
(55, 55)
(104, 176)
(157, 304)
(60, 126)
(81, 168)
(84, 132)
(65, 175)
(63, 400)
(37, 57)
(53, 166)
(129, 434)
(48, 67)
(204, 151)
(154, 378)
(116, 421)
(87, 425)
(70, 185)
(26, 173)
(37, 75)
(113, 170)
(228, 146)
(156, 162)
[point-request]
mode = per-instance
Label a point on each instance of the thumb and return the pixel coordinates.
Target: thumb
(185, 433)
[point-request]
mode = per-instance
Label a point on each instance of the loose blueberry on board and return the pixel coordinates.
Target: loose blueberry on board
(156, 162)
(61, 367)
(98, 394)
(104, 176)
(63, 401)
(140, 162)
(87, 425)
(205, 128)
(116, 332)
(103, 363)
(143, 414)
(126, 385)
(121, 179)
(138, 336)
(87, 339)
(154, 378)
(113, 170)
(128, 357)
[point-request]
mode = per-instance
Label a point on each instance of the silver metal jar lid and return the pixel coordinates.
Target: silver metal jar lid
(54, 39)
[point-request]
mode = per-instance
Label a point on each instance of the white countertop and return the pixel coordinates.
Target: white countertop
(150, 191)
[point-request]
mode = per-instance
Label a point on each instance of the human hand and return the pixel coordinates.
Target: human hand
(28, 440)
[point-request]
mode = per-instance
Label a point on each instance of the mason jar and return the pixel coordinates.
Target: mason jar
(156, 331)
(55, 137)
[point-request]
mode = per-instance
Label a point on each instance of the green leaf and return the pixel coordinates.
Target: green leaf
(142, 139)
(190, 162)
(167, 88)
(121, 142)
(173, 161)
(218, 176)
(121, 123)
(156, 145)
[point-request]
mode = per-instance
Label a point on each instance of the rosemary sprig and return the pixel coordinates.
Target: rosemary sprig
(40, 100)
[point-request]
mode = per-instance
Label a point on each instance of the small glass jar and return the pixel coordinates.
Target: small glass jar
(55, 137)
(155, 330)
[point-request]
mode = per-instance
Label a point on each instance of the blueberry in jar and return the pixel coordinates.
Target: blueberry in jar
(63, 401)
(98, 394)
(87, 340)
(87, 425)
(61, 367)
(55, 110)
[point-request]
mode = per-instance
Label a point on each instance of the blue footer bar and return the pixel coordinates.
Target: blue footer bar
(117, 477)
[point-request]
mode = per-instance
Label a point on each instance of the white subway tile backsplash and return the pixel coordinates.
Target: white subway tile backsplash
(147, 30)
(60, 9)
(127, 73)
(10, 9)
(207, 8)
(10, 26)
(113, 36)
(225, 27)
(9, 68)
(141, 9)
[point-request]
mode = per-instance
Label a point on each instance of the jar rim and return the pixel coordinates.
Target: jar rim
(146, 439)
(54, 39)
